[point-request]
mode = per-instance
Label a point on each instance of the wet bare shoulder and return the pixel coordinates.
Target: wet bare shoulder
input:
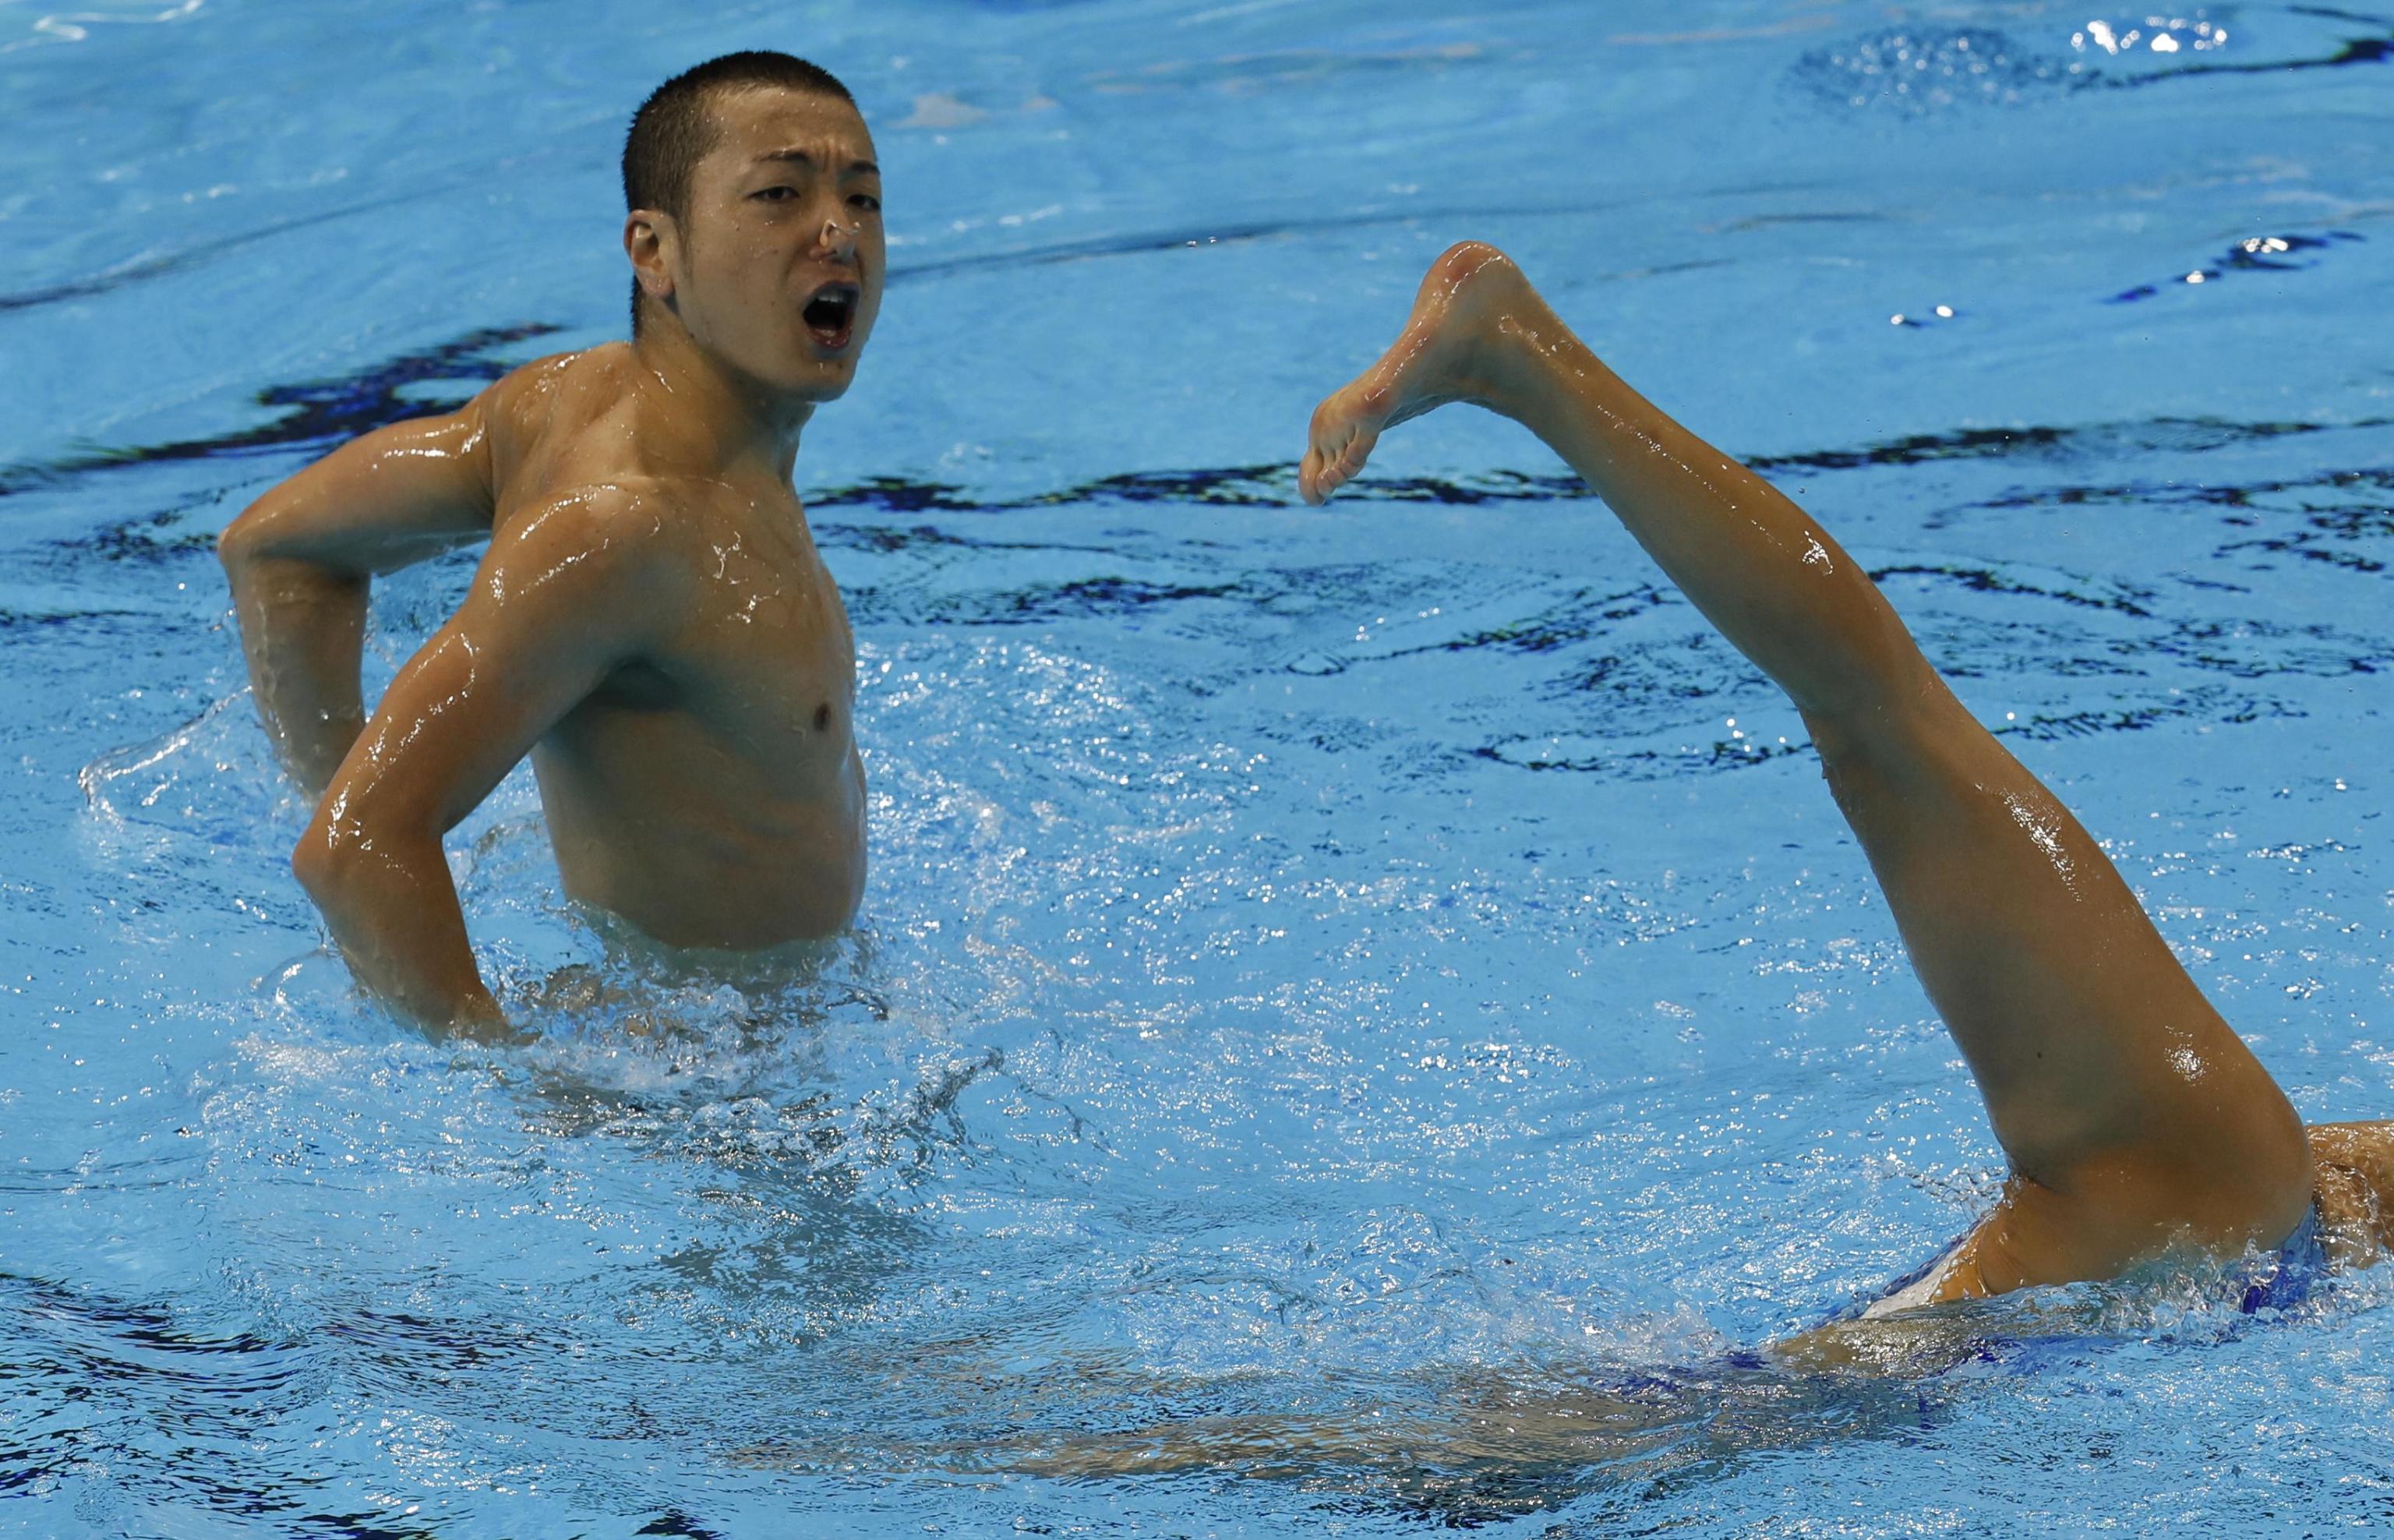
(525, 401)
(628, 532)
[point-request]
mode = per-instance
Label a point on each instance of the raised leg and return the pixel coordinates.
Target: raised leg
(2133, 1116)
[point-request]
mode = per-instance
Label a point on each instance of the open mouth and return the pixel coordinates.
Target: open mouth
(831, 315)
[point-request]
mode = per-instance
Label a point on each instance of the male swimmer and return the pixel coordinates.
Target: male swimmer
(2134, 1119)
(651, 622)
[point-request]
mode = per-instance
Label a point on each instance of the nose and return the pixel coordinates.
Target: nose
(836, 240)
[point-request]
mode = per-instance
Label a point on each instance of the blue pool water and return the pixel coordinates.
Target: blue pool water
(1316, 962)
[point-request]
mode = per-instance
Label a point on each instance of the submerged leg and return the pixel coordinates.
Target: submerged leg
(2132, 1115)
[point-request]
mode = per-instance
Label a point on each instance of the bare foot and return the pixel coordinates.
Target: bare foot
(1453, 348)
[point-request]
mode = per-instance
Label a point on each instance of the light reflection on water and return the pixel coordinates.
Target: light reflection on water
(1390, 960)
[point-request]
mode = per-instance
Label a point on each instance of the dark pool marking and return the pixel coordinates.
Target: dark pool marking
(2338, 524)
(2093, 441)
(140, 269)
(2188, 704)
(155, 536)
(420, 1344)
(2226, 647)
(1086, 597)
(1645, 764)
(1269, 485)
(1583, 618)
(237, 1415)
(1113, 596)
(2327, 535)
(330, 410)
(323, 413)
(1661, 671)
(889, 539)
(1114, 593)
(1273, 485)
(327, 412)
(2206, 704)
(1657, 677)
(1575, 620)
(132, 542)
(2359, 50)
(92, 1339)
(1560, 625)
(1985, 580)
(20, 620)
(146, 1326)
(2230, 496)
(226, 1388)
(2250, 256)
(2333, 15)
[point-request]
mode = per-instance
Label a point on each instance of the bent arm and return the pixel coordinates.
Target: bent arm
(557, 604)
(300, 559)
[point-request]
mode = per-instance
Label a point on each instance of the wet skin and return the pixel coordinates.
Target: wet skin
(652, 622)
(2135, 1119)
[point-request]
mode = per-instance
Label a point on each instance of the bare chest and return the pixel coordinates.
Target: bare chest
(760, 661)
(765, 649)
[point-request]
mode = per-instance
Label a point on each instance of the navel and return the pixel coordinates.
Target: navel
(823, 717)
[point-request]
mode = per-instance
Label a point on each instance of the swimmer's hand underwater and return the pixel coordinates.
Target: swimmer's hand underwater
(650, 623)
(2135, 1119)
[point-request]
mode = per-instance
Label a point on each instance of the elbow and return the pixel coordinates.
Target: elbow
(243, 540)
(321, 861)
(235, 545)
(262, 534)
(349, 857)
(331, 857)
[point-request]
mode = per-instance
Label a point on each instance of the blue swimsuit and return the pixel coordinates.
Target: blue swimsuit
(2286, 1278)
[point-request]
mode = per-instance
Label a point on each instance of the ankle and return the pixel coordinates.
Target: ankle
(1528, 370)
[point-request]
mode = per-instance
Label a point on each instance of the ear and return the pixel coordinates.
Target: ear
(653, 242)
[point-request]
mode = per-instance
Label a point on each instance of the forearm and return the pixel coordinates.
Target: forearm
(391, 906)
(302, 633)
(1758, 566)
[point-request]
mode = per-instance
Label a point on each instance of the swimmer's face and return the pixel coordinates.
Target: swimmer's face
(778, 266)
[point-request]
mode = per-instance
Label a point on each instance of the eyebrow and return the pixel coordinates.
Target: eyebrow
(803, 158)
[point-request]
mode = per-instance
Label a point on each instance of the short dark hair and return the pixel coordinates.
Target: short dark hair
(673, 130)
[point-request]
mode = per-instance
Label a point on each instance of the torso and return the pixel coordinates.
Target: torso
(710, 792)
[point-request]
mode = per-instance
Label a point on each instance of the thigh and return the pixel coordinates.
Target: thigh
(2122, 1097)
